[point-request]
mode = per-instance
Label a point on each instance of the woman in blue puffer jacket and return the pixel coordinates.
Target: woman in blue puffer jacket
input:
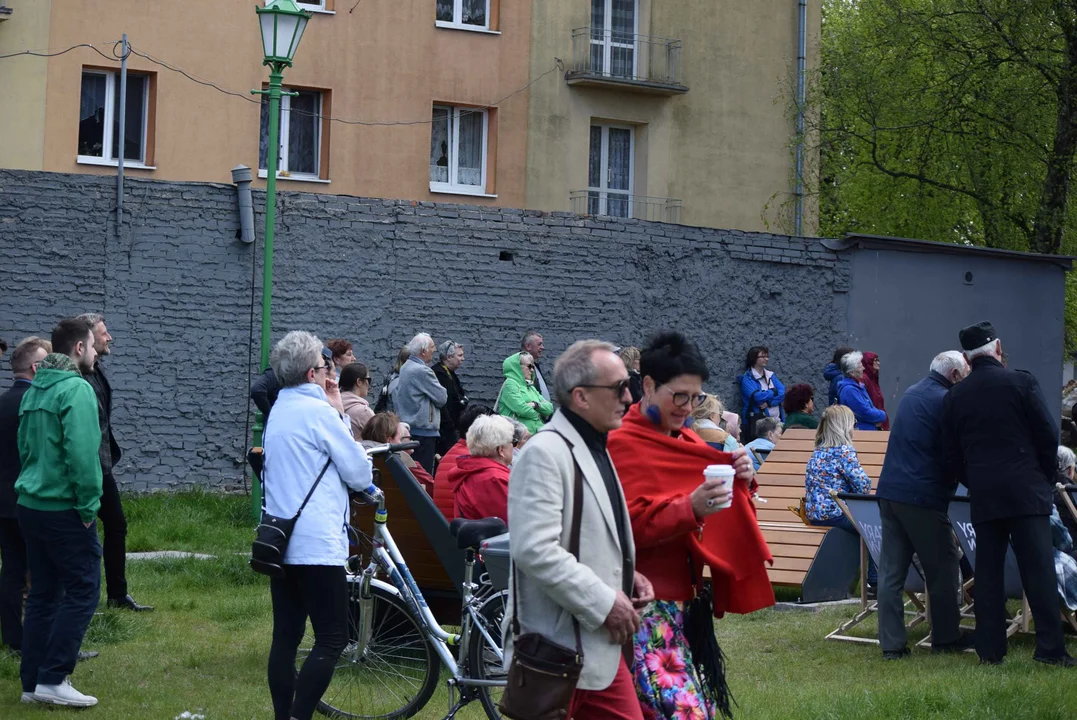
(853, 394)
(761, 391)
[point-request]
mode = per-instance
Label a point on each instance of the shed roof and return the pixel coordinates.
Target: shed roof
(884, 242)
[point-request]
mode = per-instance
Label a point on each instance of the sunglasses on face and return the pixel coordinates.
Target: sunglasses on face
(316, 368)
(618, 388)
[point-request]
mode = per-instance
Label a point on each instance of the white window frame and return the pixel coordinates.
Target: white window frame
(314, 6)
(603, 189)
(452, 186)
(112, 89)
(283, 173)
(607, 43)
(457, 22)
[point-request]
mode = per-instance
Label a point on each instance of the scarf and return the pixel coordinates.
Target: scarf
(58, 361)
(654, 468)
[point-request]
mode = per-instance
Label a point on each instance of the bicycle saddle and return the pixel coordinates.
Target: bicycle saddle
(470, 533)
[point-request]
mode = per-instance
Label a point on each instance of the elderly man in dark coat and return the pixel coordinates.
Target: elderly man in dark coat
(914, 492)
(1001, 442)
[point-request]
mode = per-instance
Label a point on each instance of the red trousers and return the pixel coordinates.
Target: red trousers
(617, 702)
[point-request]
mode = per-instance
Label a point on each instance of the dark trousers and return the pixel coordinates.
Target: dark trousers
(320, 592)
(908, 529)
(65, 585)
(843, 523)
(12, 582)
(424, 454)
(115, 546)
(1031, 539)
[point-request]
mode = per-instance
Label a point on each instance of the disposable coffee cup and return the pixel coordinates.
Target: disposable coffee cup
(725, 473)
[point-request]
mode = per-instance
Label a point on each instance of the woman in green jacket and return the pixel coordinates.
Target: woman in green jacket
(519, 399)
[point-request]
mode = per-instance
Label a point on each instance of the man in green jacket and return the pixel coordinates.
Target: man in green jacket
(59, 491)
(519, 399)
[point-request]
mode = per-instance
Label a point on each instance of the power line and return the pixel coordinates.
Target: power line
(49, 54)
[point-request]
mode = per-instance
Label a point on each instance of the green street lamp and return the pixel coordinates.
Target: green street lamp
(282, 23)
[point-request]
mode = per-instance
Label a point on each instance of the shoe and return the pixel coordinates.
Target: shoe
(63, 694)
(897, 654)
(87, 655)
(1060, 661)
(27, 698)
(128, 603)
(967, 641)
(873, 592)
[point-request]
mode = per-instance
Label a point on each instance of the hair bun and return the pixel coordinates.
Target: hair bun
(670, 340)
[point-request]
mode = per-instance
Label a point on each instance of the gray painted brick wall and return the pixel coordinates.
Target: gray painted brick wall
(175, 287)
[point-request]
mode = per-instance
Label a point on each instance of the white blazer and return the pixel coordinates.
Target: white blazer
(553, 586)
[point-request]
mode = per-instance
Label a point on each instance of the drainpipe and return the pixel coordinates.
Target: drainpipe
(241, 176)
(802, 52)
(122, 136)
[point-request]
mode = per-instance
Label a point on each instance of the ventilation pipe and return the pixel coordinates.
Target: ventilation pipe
(241, 176)
(802, 52)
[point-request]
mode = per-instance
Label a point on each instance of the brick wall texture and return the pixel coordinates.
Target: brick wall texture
(175, 287)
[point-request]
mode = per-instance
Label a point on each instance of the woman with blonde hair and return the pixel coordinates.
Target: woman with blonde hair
(706, 421)
(630, 357)
(834, 466)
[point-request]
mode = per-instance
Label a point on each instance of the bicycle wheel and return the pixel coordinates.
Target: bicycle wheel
(396, 675)
(483, 662)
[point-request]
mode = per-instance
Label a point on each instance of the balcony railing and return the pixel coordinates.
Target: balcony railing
(616, 204)
(638, 62)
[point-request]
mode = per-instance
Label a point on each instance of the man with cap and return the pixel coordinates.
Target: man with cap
(1000, 441)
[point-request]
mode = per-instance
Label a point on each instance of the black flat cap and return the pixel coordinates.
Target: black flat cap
(978, 335)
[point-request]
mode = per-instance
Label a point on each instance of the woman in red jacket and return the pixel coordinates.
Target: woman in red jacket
(679, 526)
(481, 478)
(444, 497)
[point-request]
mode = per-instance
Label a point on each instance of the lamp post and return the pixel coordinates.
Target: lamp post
(282, 23)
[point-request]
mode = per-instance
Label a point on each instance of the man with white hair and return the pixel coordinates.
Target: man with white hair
(914, 493)
(1000, 441)
(532, 343)
(419, 398)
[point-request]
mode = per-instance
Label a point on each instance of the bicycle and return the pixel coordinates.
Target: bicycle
(396, 650)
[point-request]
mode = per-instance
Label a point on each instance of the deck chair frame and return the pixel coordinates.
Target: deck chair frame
(915, 604)
(1067, 500)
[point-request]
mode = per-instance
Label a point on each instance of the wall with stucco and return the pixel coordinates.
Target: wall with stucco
(23, 84)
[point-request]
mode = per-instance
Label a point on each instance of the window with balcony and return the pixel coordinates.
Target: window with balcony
(458, 146)
(613, 37)
(303, 132)
(463, 14)
(99, 118)
(609, 171)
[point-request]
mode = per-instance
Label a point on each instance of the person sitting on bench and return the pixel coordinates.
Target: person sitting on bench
(835, 466)
(480, 479)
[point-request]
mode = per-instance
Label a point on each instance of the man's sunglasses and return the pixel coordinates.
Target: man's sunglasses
(316, 368)
(618, 388)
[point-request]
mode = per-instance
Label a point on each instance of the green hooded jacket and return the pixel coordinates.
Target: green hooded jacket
(514, 400)
(59, 438)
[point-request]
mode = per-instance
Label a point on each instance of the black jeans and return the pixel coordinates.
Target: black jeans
(65, 584)
(909, 529)
(1031, 539)
(12, 582)
(115, 546)
(321, 592)
(424, 454)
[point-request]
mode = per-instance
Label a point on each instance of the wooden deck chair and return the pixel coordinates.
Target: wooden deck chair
(961, 520)
(1068, 493)
(863, 512)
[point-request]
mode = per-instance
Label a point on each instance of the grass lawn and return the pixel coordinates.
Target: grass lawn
(204, 649)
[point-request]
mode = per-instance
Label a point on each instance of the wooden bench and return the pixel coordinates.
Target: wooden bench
(781, 482)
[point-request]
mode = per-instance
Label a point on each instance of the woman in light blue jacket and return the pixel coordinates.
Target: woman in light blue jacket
(308, 437)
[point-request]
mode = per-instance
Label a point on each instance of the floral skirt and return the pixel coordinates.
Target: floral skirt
(668, 686)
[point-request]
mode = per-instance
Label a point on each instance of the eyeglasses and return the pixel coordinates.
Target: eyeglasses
(619, 388)
(316, 368)
(532, 367)
(682, 398)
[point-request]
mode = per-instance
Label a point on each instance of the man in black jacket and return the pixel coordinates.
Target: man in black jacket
(24, 362)
(1001, 443)
(451, 358)
(114, 549)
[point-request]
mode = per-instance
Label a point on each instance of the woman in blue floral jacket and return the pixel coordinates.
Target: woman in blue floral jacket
(834, 466)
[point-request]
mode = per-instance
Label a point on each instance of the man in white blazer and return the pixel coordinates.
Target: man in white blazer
(601, 590)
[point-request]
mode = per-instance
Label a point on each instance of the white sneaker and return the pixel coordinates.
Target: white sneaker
(63, 694)
(27, 698)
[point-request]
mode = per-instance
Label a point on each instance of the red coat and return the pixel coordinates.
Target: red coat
(482, 488)
(443, 495)
(871, 384)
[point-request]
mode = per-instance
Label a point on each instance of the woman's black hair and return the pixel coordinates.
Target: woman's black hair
(351, 374)
(670, 354)
(470, 414)
(754, 354)
(841, 352)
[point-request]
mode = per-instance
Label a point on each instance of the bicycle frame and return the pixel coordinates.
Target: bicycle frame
(387, 557)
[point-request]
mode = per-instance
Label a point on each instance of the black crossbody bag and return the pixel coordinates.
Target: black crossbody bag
(273, 533)
(543, 674)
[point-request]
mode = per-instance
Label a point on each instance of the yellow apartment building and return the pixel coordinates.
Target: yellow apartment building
(660, 109)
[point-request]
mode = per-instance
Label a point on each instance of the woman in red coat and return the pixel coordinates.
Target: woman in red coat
(679, 526)
(871, 384)
(481, 478)
(444, 497)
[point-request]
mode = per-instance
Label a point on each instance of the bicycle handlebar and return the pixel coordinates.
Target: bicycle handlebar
(391, 448)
